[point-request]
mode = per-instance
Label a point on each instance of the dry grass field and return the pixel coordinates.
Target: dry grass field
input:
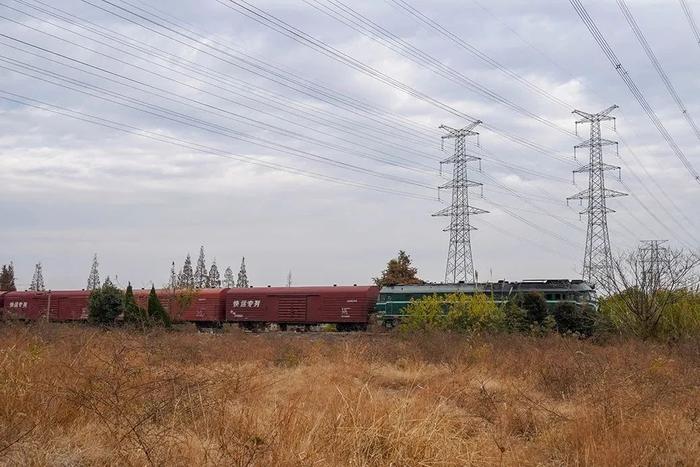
(82, 396)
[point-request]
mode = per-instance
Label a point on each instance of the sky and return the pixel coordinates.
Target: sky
(140, 134)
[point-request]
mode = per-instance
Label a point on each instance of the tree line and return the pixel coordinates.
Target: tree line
(8, 280)
(202, 277)
(187, 278)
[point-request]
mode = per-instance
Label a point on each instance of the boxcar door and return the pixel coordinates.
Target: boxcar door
(292, 308)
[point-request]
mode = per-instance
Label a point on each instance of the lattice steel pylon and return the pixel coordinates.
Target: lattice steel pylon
(597, 262)
(460, 266)
(653, 257)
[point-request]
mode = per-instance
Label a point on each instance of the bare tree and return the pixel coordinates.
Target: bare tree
(643, 290)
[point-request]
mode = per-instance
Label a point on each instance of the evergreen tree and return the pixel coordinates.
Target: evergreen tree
(186, 279)
(399, 271)
(242, 275)
(133, 314)
(7, 278)
(214, 279)
(229, 281)
(156, 312)
(172, 284)
(105, 303)
(93, 282)
(200, 273)
(37, 284)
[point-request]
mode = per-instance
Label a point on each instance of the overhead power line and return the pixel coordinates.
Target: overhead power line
(610, 54)
(171, 140)
(683, 224)
(659, 69)
(691, 21)
(110, 79)
(423, 18)
(368, 28)
(178, 117)
(271, 21)
(227, 83)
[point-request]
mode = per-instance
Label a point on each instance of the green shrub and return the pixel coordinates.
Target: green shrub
(473, 313)
(105, 304)
(573, 318)
(454, 312)
(680, 317)
(516, 319)
(424, 314)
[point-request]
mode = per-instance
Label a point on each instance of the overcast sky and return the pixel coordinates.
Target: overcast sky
(216, 130)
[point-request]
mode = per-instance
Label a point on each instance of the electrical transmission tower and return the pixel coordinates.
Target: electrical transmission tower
(597, 262)
(653, 257)
(460, 266)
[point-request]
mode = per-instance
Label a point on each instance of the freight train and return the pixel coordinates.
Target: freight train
(349, 308)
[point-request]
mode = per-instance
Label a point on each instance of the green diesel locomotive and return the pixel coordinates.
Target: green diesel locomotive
(394, 299)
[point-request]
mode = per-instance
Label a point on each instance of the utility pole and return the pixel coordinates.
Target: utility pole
(460, 266)
(597, 261)
(652, 256)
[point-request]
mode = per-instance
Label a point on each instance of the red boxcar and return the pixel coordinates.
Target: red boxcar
(205, 305)
(59, 305)
(346, 307)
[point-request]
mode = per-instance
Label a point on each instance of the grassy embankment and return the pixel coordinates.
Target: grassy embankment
(82, 396)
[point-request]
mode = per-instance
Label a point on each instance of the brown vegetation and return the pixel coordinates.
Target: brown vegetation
(83, 396)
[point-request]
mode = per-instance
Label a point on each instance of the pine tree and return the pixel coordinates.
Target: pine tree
(186, 279)
(7, 278)
(156, 312)
(214, 279)
(229, 281)
(172, 284)
(11, 274)
(37, 284)
(133, 314)
(242, 275)
(200, 273)
(94, 278)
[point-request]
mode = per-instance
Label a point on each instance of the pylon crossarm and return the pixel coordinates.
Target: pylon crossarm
(613, 193)
(580, 195)
(462, 184)
(605, 112)
(473, 210)
(588, 143)
(586, 116)
(605, 166)
(444, 212)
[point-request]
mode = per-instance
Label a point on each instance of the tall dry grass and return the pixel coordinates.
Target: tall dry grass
(83, 396)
